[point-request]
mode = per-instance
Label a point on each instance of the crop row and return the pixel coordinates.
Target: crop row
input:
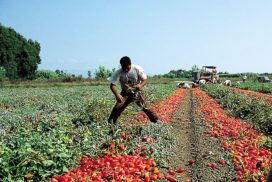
(256, 86)
(251, 108)
(250, 158)
(261, 96)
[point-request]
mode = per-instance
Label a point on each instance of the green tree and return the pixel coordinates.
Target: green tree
(57, 71)
(195, 68)
(19, 56)
(2, 73)
(102, 72)
(89, 74)
(46, 75)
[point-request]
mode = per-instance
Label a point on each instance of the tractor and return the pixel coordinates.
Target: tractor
(207, 73)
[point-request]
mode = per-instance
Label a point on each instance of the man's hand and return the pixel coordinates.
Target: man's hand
(139, 87)
(119, 98)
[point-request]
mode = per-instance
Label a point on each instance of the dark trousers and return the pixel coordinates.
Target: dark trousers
(269, 177)
(128, 98)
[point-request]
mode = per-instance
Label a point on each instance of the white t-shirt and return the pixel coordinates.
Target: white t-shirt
(135, 75)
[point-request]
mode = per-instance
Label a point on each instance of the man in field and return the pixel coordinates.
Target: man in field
(244, 78)
(132, 79)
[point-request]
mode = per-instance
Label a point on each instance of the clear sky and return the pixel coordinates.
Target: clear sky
(159, 35)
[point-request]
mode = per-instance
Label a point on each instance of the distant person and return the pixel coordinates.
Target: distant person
(244, 78)
(214, 71)
(186, 86)
(202, 82)
(183, 85)
(227, 82)
(132, 79)
(217, 78)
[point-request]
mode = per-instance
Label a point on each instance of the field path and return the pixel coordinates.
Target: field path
(194, 145)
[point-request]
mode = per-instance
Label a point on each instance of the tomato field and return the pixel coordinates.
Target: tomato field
(61, 134)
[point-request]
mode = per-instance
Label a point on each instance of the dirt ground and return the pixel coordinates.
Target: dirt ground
(193, 144)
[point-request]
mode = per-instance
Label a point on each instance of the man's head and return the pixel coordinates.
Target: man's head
(125, 63)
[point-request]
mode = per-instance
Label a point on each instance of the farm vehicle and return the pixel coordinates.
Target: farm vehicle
(207, 73)
(262, 79)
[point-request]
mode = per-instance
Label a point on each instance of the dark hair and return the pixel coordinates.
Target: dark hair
(125, 61)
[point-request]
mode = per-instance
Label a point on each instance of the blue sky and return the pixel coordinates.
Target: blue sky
(159, 35)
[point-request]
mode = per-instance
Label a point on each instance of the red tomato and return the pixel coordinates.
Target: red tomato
(237, 168)
(222, 162)
(213, 165)
(192, 161)
(171, 172)
(54, 180)
(153, 177)
(180, 170)
(122, 147)
(112, 145)
(105, 174)
(171, 179)
(125, 136)
(147, 179)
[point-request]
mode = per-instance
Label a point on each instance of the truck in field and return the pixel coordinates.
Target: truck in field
(262, 79)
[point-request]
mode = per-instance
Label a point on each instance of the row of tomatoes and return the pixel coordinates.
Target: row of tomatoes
(262, 96)
(119, 168)
(112, 168)
(251, 160)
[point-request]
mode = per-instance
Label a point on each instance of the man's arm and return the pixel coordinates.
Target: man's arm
(117, 95)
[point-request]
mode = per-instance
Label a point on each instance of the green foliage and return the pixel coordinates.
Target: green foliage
(195, 68)
(45, 131)
(227, 75)
(179, 74)
(103, 72)
(57, 75)
(252, 109)
(250, 75)
(19, 56)
(46, 75)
